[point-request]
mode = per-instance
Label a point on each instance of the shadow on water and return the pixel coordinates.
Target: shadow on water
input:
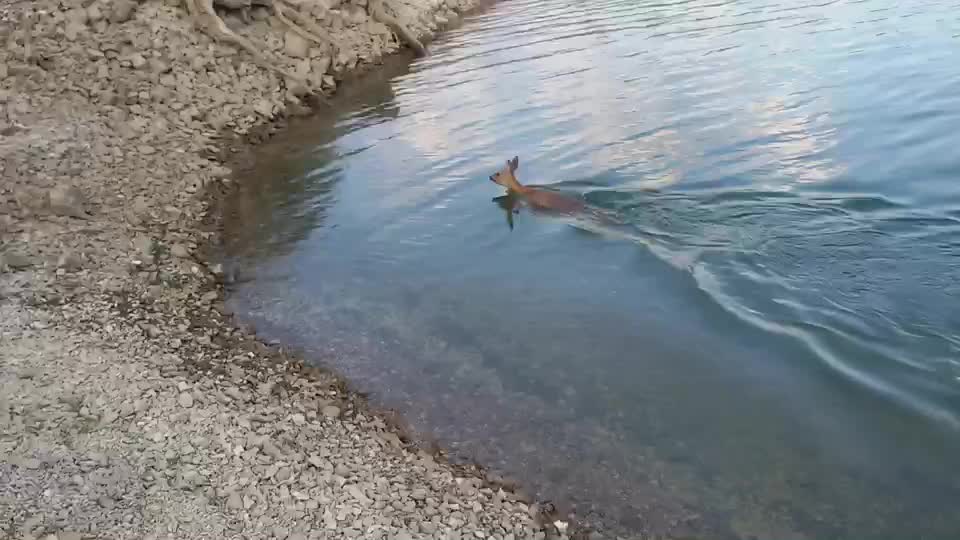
(752, 332)
(278, 205)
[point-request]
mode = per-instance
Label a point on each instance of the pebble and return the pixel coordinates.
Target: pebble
(15, 261)
(69, 261)
(180, 251)
(122, 11)
(137, 60)
(186, 399)
(294, 45)
(67, 200)
(331, 411)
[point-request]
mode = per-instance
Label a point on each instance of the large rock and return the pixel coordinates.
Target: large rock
(295, 45)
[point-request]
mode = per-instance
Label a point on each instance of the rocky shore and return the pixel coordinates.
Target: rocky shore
(130, 405)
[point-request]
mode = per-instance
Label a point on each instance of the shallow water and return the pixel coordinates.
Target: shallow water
(763, 339)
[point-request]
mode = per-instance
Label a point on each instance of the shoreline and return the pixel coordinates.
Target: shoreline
(131, 405)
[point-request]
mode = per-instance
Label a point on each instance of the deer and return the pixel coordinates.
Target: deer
(536, 197)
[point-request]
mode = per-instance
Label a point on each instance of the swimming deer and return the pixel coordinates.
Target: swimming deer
(536, 197)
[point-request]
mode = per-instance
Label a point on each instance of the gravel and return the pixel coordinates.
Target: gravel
(130, 405)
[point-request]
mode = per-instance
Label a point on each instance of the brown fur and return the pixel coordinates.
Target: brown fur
(537, 198)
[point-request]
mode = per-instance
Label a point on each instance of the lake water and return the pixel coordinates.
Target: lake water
(764, 341)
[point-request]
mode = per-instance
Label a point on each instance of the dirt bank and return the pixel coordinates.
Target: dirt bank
(130, 405)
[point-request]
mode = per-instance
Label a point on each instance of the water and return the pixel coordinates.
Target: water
(766, 345)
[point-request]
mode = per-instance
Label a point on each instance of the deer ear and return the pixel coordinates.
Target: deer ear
(514, 163)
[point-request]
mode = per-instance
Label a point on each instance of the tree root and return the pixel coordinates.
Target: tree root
(379, 13)
(297, 26)
(218, 30)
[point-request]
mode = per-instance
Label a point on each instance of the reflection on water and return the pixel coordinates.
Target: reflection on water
(751, 333)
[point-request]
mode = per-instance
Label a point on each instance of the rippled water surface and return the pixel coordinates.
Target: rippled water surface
(763, 341)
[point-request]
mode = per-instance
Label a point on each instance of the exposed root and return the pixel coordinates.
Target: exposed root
(218, 30)
(379, 13)
(297, 26)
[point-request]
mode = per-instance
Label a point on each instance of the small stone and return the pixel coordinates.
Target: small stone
(418, 494)
(160, 94)
(93, 13)
(158, 66)
(73, 30)
(69, 261)
(322, 64)
(356, 492)
(264, 108)
(15, 261)
(122, 11)
(67, 201)
(234, 502)
(77, 15)
(295, 45)
(137, 60)
(180, 251)
(186, 399)
(298, 419)
(283, 474)
(271, 450)
(331, 411)
(144, 247)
